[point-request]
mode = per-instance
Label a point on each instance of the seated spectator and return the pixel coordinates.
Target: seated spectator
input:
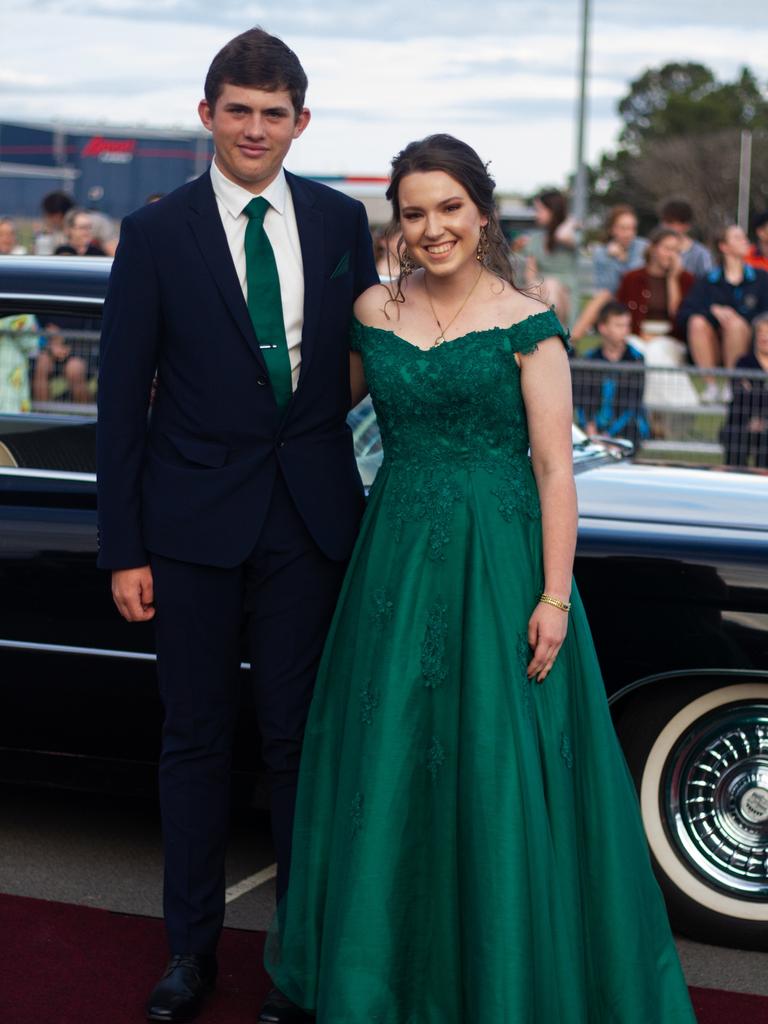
(79, 229)
(717, 313)
(622, 251)
(655, 291)
(550, 252)
(55, 206)
(606, 403)
(757, 256)
(58, 370)
(745, 434)
(677, 215)
(9, 243)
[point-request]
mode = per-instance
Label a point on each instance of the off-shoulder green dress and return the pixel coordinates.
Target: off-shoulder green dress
(468, 845)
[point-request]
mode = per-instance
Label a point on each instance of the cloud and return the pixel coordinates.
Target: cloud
(381, 73)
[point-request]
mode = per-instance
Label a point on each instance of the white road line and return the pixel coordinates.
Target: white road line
(250, 883)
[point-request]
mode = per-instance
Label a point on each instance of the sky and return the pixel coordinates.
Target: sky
(500, 75)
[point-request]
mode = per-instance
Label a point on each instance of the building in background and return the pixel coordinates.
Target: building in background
(104, 168)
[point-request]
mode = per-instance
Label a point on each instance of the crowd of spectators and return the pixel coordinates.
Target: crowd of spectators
(686, 304)
(44, 362)
(711, 305)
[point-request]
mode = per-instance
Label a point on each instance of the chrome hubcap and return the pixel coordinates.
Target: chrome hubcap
(716, 786)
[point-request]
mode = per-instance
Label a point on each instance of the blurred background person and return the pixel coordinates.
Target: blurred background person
(58, 370)
(622, 251)
(550, 252)
(745, 434)
(655, 290)
(758, 253)
(19, 341)
(9, 243)
(78, 226)
(717, 313)
(606, 403)
(386, 255)
(105, 234)
(677, 215)
(54, 208)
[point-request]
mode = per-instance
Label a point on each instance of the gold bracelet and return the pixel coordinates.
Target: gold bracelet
(564, 606)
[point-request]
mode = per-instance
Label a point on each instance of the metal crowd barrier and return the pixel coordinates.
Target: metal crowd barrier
(675, 412)
(679, 413)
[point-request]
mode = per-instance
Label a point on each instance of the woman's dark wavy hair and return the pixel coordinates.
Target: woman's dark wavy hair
(459, 161)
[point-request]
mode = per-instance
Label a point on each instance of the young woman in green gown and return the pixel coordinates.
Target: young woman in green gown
(468, 845)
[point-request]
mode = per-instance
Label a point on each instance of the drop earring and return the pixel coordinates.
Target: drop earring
(483, 246)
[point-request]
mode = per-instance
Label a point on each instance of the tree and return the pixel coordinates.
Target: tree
(681, 137)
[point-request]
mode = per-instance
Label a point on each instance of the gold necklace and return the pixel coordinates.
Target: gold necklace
(441, 336)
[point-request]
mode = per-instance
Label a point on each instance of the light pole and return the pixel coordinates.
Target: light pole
(580, 186)
(745, 175)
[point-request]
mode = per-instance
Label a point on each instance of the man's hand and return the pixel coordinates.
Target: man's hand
(133, 593)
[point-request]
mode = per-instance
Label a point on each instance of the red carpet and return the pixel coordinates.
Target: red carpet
(64, 964)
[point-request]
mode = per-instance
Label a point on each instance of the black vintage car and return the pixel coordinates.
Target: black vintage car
(672, 564)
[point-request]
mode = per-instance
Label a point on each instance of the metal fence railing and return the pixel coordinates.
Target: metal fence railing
(47, 367)
(667, 411)
(715, 416)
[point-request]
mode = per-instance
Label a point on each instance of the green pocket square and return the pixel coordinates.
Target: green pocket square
(342, 266)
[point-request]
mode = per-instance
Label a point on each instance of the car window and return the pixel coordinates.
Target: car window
(48, 361)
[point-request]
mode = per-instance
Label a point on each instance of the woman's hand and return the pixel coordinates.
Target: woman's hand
(547, 628)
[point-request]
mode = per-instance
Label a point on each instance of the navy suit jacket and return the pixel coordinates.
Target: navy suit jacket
(192, 481)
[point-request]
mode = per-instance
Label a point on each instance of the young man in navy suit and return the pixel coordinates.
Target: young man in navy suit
(230, 509)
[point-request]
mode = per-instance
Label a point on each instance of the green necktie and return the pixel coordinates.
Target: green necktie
(264, 301)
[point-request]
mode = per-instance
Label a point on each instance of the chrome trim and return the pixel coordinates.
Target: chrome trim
(49, 474)
(716, 799)
(33, 297)
(730, 677)
(94, 652)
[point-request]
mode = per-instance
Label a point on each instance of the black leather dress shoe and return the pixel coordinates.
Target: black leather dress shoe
(278, 1009)
(180, 993)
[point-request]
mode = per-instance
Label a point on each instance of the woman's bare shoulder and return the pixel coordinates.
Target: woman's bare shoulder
(520, 306)
(372, 305)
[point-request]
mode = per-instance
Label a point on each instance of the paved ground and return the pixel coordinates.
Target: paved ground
(106, 853)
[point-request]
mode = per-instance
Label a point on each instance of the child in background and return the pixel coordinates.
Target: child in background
(606, 403)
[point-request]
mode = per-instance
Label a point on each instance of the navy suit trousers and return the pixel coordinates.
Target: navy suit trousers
(280, 600)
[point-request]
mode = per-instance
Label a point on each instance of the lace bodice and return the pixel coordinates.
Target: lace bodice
(459, 403)
(450, 412)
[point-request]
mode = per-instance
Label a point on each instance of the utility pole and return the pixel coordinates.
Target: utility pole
(580, 183)
(580, 187)
(745, 178)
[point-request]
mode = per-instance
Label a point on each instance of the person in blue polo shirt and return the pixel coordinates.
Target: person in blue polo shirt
(745, 434)
(718, 311)
(612, 403)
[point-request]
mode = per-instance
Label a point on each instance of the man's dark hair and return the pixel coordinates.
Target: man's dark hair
(57, 202)
(677, 211)
(610, 309)
(256, 60)
(760, 220)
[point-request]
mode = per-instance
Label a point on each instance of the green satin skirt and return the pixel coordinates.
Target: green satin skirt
(468, 844)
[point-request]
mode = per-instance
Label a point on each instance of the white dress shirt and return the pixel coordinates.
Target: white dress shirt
(283, 234)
